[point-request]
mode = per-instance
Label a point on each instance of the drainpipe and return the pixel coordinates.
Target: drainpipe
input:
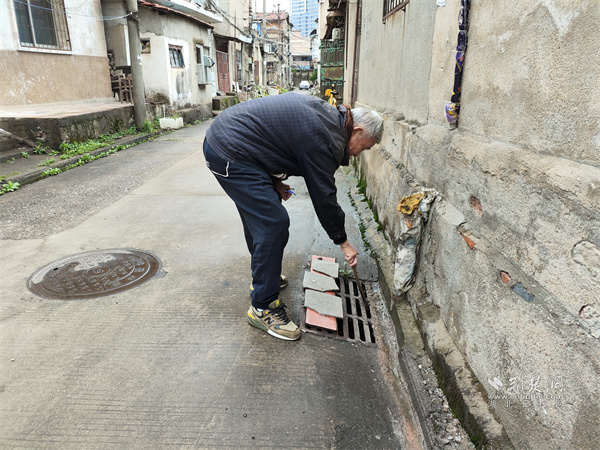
(263, 28)
(135, 55)
(354, 92)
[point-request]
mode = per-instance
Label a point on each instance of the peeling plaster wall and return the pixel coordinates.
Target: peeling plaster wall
(176, 86)
(41, 75)
(510, 260)
(116, 33)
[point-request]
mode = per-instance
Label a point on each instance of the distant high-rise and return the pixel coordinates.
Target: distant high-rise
(303, 15)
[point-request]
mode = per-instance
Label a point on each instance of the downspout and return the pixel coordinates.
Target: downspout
(453, 108)
(355, 62)
(263, 31)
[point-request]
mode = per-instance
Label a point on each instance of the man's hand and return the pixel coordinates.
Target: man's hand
(350, 253)
(283, 190)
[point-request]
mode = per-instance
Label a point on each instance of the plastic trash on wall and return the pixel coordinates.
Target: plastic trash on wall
(415, 210)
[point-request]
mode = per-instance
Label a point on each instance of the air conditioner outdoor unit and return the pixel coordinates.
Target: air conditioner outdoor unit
(336, 33)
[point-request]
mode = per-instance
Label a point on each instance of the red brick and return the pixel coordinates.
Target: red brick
(318, 320)
(470, 242)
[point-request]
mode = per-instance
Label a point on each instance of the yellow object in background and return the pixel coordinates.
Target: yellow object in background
(410, 203)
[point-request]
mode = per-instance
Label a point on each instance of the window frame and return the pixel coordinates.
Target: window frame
(176, 56)
(390, 7)
(203, 65)
(42, 20)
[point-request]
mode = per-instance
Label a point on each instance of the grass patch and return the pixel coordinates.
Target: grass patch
(50, 172)
(47, 162)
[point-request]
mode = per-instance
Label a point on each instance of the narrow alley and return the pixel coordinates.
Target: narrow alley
(173, 362)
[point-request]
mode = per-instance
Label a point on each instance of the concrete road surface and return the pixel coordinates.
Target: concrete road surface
(172, 363)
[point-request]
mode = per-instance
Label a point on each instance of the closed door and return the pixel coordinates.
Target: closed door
(223, 71)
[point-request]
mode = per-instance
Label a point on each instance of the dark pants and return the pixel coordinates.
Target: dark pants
(265, 220)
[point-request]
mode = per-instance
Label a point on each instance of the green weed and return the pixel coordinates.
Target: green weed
(9, 187)
(24, 155)
(40, 149)
(346, 270)
(151, 127)
(50, 172)
(47, 162)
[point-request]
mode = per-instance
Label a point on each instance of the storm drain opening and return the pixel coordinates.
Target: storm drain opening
(356, 325)
(93, 274)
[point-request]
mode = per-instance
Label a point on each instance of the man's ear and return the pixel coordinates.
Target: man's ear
(358, 130)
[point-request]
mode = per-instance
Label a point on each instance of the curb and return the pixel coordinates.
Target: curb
(416, 336)
(35, 174)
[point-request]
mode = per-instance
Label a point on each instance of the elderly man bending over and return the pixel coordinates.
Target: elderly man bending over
(251, 148)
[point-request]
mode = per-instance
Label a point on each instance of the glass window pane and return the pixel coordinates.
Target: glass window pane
(23, 24)
(43, 23)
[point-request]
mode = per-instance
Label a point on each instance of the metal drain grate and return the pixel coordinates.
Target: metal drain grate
(357, 324)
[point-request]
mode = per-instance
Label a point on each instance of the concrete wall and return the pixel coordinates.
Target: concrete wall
(509, 270)
(179, 86)
(176, 88)
(33, 75)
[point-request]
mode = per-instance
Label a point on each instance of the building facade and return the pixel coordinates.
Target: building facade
(47, 47)
(303, 14)
(275, 42)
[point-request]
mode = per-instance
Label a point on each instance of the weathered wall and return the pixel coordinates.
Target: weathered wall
(510, 263)
(48, 78)
(176, 86)
(34, 75)
(115, 32)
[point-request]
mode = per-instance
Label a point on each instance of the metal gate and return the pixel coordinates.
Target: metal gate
(332, 67)
(223, 71)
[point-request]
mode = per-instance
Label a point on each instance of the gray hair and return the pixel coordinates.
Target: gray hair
(370, 120)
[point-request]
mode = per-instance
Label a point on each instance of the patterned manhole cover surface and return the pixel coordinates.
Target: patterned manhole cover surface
(93, 274)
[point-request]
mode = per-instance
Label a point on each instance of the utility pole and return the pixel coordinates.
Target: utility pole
(135, 55)
(280, 29)
(263, 27)
(251, 47)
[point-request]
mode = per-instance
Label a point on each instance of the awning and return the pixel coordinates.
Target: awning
(191, 18)
(241, 38)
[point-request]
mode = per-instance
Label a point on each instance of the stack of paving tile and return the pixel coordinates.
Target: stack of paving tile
(323, 307)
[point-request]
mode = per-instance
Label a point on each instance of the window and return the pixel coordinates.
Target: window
(42, 24)
(204, 63)
(176, 56)
(145, 43)
(391, 6)
(238, 60)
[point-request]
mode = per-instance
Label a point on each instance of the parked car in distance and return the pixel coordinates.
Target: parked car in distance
(304, 85)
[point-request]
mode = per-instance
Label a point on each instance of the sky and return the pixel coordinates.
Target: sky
(284, 5)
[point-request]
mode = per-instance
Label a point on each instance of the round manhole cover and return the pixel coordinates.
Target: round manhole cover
(93, 274)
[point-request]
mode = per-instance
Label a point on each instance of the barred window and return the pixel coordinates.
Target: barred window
(42, 24)
(391, 6)
(176, 56)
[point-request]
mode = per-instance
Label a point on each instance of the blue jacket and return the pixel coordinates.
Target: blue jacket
(289, 135)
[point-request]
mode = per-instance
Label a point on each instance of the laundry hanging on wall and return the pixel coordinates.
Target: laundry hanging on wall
(453, 108)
